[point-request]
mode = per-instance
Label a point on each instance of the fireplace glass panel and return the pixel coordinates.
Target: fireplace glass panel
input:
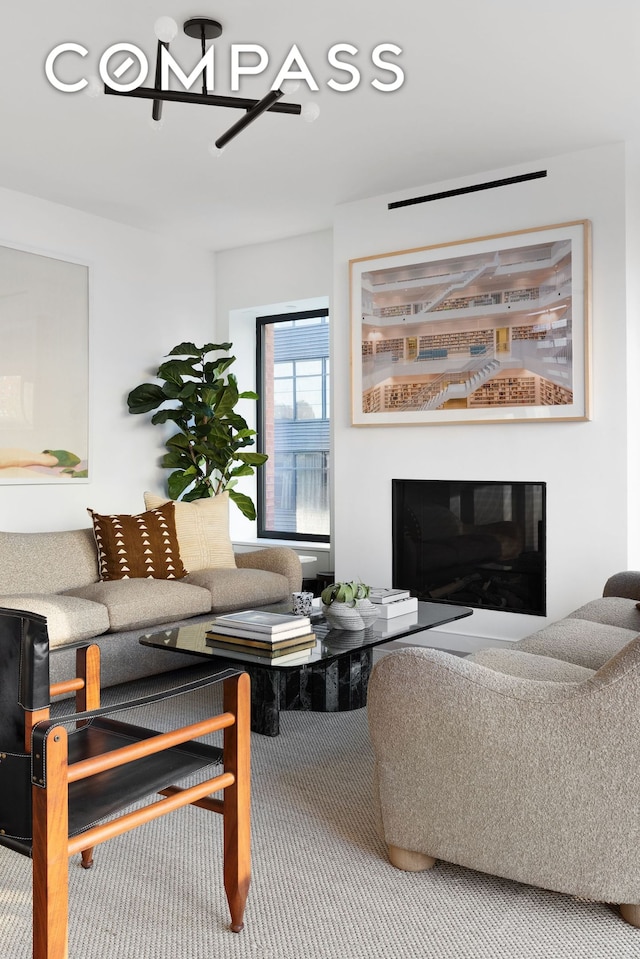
(478, 544)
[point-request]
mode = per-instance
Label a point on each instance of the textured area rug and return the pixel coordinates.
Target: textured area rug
(322, 887)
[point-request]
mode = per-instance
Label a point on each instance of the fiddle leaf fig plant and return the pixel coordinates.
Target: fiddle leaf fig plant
(208, 453)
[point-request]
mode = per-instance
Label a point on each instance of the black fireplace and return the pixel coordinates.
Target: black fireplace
(479, 544)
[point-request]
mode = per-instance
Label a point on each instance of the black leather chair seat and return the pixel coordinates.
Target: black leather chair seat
(99, 797)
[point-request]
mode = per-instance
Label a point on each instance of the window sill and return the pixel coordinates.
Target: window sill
(300, 546)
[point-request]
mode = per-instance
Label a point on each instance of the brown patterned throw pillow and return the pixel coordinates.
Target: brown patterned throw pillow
(145, 545)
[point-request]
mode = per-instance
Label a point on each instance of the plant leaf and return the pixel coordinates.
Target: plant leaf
(254, 459)
(175, 459)
(199, 491)
(172, 390)
(185, 349)
(236, 421)
(244, 470)
(219, 366)
(188, 390)
(180, 440)
(175, 370)
(209, 395)
(145, 397)
(226, 399)
(244, 503)
(163, 415)
(179, 481)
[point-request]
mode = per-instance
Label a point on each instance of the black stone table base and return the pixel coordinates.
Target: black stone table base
(334, 678)
(329, 686)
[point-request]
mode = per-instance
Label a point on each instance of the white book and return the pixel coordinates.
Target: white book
(382, 595)
(399, 608)
(259, 634)
(262, 621)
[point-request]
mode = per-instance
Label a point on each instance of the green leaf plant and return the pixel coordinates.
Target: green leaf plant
(208, 453)
(344, 593)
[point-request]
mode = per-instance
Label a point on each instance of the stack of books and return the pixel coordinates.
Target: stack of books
(255, 635)
(392, 602)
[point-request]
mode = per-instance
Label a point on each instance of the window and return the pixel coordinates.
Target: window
(294, 416)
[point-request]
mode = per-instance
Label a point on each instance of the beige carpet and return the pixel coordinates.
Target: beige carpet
(322, 888)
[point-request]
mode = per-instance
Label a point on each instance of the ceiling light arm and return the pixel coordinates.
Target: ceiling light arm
(203, 50)
(207, 99)
(156, 111)
(267, 103)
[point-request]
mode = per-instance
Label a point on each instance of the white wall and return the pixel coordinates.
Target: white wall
(268, 278)
(584, 463)
(297, 268)
(146, 295)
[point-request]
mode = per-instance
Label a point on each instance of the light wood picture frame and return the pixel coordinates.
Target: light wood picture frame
(44, 368)
(490, 329)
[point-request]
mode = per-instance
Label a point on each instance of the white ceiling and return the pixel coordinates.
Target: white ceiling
(488, 84)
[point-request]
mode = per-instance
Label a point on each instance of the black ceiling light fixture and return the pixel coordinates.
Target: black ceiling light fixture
(206, 29)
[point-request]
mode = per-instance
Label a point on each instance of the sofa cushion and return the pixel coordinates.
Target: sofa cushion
(530, 666)
(69, 618)
(578, 641)
(612, 610)
(145, 545)
(231, 589)
(47, 562)
(203, 531)
(144, 602)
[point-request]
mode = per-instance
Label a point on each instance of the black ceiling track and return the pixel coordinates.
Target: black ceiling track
(489, 185)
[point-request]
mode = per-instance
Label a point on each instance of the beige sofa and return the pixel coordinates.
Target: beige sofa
(56, 574)
(519, 762)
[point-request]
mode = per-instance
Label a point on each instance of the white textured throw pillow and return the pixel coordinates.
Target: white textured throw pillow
(202, 529)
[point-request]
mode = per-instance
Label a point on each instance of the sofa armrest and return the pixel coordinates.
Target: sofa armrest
(274, 559)
(625, 584)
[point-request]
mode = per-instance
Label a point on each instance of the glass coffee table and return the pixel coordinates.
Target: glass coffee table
(333, 677)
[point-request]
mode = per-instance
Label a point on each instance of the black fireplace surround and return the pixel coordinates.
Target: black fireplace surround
(478, 544)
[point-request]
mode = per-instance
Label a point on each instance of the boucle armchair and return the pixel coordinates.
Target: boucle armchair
(513, 764)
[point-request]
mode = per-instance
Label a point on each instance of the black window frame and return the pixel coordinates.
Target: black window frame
(269, 320)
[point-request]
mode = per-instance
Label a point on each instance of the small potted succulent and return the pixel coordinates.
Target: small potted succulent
(347, 606)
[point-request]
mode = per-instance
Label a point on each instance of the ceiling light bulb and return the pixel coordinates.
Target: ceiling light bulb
(94, 87)
(156, 125)
(165, 29)
(287, 87)
(310, 112)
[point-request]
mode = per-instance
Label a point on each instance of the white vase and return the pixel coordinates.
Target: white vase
(343, 616)
(368, 611)
(350, 616)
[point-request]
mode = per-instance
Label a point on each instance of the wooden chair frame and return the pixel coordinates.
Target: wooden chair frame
(47, 740)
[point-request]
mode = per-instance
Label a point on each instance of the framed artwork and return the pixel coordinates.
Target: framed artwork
(491, 329)
(44, 369)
